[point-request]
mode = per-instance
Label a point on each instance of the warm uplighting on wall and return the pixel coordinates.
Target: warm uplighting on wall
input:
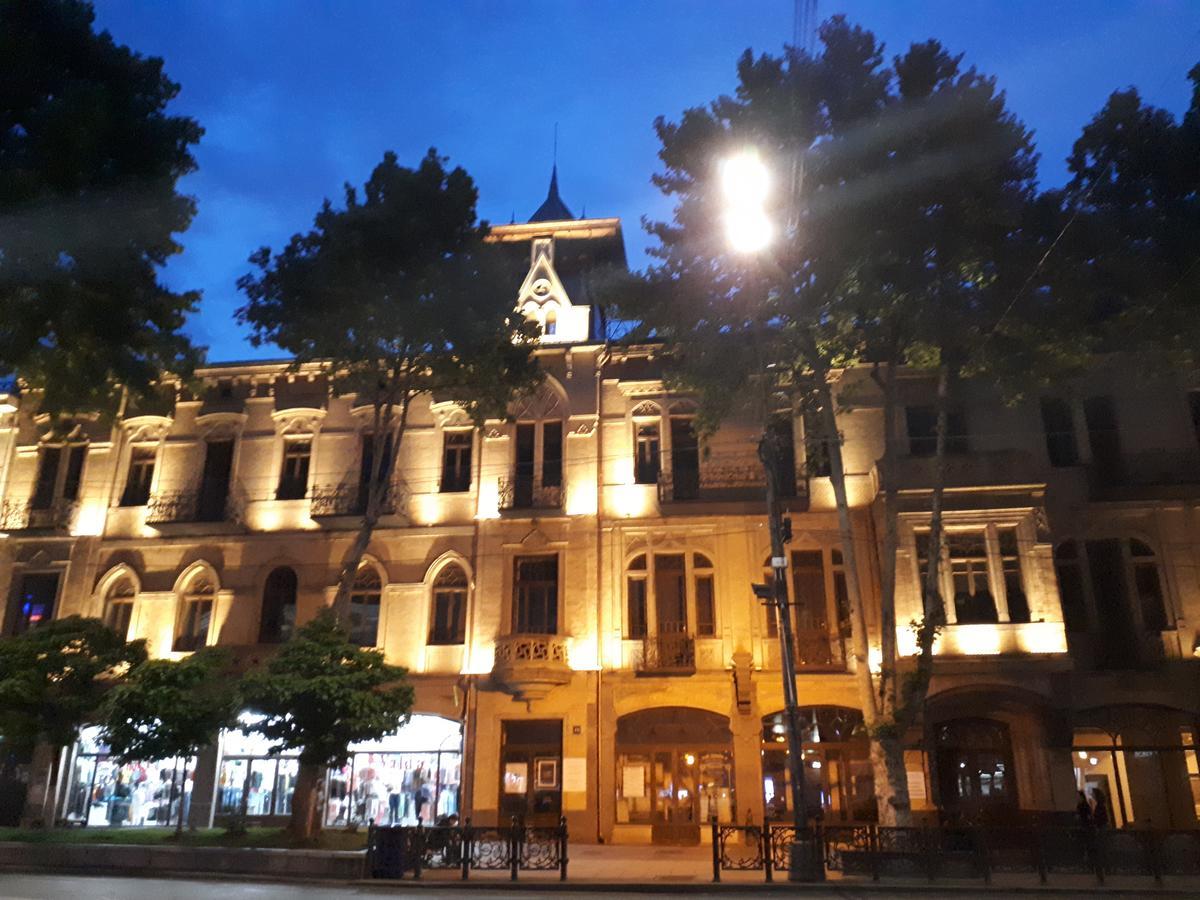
(632, 500)
(582, 653)
(489, 504)
(989, 639)
(427, 509)
(480, 660)
(875, 659)
(581, 498)
(89, 521)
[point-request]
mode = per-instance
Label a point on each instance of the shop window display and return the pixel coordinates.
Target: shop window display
(102, 791)
(410, 776)
(252, 781)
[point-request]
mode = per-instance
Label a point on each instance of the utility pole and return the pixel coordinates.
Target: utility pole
(804, 862)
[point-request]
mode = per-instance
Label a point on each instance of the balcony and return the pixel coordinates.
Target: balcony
(668, 653)
(346, 499)
(529, 666)
(196, 506)
(721, 482)
(17, 515)
(521, 492)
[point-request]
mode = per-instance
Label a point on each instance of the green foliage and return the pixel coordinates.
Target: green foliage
(321, 693)
(167, 708)
(399, 293)
(53, 678)
(89, 161)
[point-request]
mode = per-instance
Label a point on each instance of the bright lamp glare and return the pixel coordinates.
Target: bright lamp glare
(746, 182)
(745, 179)
(748, 230)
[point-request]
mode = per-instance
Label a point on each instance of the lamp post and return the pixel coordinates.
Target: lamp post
(745, 182)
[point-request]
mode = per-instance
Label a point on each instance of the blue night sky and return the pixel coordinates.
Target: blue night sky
(299, 96)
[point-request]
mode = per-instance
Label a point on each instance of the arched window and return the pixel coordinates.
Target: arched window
(195, 612)
(665, 592)
(551, 323)
(448, 623)
(975, 765)
(278, 606)
(364, 607)
(118, 605)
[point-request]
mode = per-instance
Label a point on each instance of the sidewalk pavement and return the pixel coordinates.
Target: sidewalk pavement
(678, 870)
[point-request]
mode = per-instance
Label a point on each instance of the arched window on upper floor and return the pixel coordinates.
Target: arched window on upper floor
(193, 623)
(365, 597)
(448, 616)
(278, 606)
(118, 604)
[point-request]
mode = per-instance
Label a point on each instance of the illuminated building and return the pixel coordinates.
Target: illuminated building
(570, 590)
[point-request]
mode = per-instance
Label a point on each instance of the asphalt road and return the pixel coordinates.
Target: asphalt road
(15, 886)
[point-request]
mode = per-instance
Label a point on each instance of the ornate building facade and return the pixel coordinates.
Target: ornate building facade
(570, 589)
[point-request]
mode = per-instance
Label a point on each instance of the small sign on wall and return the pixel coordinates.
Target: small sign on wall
(633, 782)
(574, 774)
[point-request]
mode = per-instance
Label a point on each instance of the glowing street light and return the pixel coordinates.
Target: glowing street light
(746, 184)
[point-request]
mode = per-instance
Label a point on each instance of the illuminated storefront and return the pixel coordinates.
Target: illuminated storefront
(837, 769)
(102, 791)
(414, 774)
(251, 781)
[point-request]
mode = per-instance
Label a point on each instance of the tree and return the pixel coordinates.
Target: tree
(89, 211)
(397, 294)
(902, 193)
(171, 709)
(318, 695)
(52, 682)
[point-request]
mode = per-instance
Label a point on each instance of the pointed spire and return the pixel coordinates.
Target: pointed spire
(552, 209)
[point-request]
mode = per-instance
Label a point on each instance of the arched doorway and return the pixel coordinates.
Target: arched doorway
(674, 771)
(975, 772)
(837, 768)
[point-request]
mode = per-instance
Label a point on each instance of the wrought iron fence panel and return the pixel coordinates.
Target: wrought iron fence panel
(845, 840)
(1125, 852)
(1179, 853)
(1012, 849)
(491, 848)
(440, 847)
(541, 849)
(1067, 850)
(780, 840)
(740, 847)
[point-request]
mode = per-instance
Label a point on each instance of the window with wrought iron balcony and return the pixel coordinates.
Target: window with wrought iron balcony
(532, 659)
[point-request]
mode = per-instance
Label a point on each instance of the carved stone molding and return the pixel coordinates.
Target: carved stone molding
(146, 429)
(300, 420)
(220, 425)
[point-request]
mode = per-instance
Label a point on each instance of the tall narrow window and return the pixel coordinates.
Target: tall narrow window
(47, 477)
(449, 619)
(1010, 566)
(1069, 569)
(816, 447)
(783, 437)
(365, 597)
(34, 601)
(278, 606)
(1059, 426)
(118, 606)
(456, 461)
(685, 460)
(73, 477)
(535, 595)
(973, 601)
(635, 583)
(525, 467)
(552, 454)
(195, 614)
(811, 611)
(647, 460)
(214, 481)
(1148, 587)
(922, 431)
(1105, 439)
(366, 465)
(293, 477)
(140, 477)
(551, 323)
(706, 605)
(1194, 408)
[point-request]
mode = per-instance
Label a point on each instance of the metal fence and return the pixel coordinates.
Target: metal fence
(968, 852)
(394, 850)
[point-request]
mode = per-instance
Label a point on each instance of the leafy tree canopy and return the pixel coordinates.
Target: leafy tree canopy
(398, 292)
(171, 708)
(53, 678)
(322, 693)
(89, 211)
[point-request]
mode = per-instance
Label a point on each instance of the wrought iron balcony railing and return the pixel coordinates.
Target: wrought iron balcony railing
(720, 481)
(670, 652)
(21, 515)
(350, 499)
(519, 492)
(194, 506)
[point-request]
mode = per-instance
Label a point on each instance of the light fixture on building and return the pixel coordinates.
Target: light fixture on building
(8, 403)
(1092, 760)
(689, 759)
(1083, 754)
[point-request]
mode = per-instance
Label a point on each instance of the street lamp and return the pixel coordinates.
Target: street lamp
(745, 182)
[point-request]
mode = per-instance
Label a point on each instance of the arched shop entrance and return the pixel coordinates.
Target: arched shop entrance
(102, 791)
(674, 771)
(414, 774)
(837, 766)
